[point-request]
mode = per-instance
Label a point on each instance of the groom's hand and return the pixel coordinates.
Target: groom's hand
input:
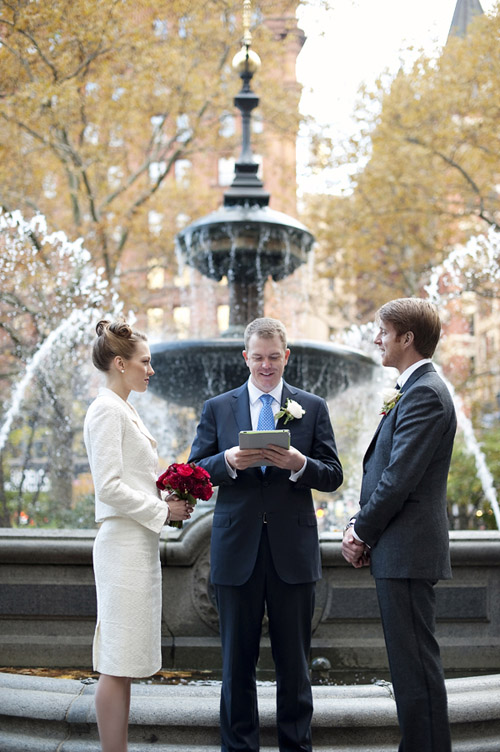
(241, 459)
(354, 551)
(286, 459)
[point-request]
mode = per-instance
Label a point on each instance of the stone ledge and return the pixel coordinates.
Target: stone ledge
(75, 546)
(57, 715)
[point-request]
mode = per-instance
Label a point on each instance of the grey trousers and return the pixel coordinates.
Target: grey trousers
(407, 608)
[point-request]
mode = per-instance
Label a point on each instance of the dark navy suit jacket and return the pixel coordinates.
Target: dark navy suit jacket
(403, 513)
(243, 501)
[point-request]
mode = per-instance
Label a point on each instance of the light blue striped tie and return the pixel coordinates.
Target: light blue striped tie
(266, 417)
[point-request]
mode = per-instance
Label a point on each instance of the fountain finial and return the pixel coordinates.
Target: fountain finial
(246, 60)
(246, 188)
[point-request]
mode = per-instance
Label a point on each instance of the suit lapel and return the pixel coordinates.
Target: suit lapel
(142, 428)
(241, 408)
(131, 413)
(288, 393)
(413, 378)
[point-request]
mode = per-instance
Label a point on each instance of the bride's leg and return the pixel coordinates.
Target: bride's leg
(112, 704)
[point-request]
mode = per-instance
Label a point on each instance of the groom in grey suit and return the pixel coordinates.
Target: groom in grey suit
(401, 529)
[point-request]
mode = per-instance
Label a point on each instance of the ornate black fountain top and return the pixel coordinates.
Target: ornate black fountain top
(246, 188)
(245, 240)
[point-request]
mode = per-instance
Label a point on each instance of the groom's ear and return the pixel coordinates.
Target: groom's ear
(245, 355)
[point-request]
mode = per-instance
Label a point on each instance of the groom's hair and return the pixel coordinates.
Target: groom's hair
(414, 315)
(266, 328)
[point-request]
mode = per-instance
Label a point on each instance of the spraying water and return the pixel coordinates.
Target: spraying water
(75, 320)
(474, 448)
(72, 280)
(467, 268)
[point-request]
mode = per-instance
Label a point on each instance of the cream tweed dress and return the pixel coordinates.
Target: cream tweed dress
(123, 461)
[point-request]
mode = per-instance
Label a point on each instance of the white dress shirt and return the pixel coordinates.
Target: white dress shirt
(403, 377)
(254, 395)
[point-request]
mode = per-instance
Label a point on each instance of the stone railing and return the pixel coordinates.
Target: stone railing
(47, 604)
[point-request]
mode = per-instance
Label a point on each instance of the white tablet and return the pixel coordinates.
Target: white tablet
(260, 439)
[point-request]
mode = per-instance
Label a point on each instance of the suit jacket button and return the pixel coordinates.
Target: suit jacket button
(265, 483)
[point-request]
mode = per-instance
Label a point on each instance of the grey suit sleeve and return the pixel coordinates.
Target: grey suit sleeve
(421, 422)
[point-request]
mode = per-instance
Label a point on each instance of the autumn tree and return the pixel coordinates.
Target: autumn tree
(47, 295)
(426, 167)
(100, 101)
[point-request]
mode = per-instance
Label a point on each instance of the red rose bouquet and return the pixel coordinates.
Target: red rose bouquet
(188, 481)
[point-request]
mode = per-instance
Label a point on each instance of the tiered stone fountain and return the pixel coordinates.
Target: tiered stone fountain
(47, 597)
(247, 242)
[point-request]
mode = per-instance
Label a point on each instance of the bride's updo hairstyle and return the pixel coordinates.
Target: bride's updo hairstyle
(114, 338)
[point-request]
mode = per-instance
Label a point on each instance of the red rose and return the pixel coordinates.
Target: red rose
(184, 470)
(200, 472)
(188, 481)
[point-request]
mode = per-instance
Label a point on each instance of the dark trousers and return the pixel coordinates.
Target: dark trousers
(289, 609)
(407, 608)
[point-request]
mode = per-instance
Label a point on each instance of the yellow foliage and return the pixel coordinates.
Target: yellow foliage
(100, 98)
(428, 171)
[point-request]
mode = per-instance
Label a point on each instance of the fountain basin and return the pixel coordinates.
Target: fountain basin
(245, 241)
(188, 372)
(57, 715)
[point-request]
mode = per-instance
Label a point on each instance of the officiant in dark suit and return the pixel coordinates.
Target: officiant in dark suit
(265, 547)
(402, 525)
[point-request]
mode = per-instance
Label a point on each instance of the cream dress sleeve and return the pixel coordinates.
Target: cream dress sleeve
(123, 461)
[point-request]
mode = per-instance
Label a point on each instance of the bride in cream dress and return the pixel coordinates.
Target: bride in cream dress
(123, 461)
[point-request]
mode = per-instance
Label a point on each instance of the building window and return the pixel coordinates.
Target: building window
(227, 125)
(182, 169)
(183, 279)
(115, 175)
(91, 134)
(155, 321)
(49, 185)
(226, 170)
(156, 169)
(182, 320)
(257, 124)
(156, 275)
(154, 222)
(223, 317)
(260, 172)
(184, 132)
(182, 220)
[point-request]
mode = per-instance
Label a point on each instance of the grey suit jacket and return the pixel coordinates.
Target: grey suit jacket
(403, 513)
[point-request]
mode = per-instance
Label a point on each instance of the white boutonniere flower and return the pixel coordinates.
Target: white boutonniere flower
(390, 399)
(291, 410)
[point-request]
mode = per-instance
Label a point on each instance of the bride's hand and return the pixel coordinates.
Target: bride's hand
(180, 509)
